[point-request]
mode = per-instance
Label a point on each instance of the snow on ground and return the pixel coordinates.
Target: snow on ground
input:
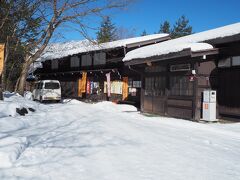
(75, 140)
(10, 150)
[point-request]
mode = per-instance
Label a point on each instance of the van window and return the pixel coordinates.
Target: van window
(39, 85)
(50, 85)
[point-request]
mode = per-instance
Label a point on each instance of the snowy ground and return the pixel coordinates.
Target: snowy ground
(106, 141)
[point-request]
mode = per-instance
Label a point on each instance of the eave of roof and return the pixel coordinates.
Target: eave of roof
(174, 55)
(61, 50)
(216, 36)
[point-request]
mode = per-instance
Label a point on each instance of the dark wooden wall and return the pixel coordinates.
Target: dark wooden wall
(168, 103)
(229, 92)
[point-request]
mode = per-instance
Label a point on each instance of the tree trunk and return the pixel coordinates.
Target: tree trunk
(9, 84)
(22, 78)
(3, 75)
(4, 72)
(1, 92)
(16, 85)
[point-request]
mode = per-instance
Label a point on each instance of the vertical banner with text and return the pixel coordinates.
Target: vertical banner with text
(83, 82)
(88, 87)
(1, 58)
(108, 75)
(125, 88)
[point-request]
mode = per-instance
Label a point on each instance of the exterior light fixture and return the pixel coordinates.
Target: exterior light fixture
(149, 63)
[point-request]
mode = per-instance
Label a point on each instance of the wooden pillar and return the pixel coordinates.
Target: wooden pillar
(196, 113)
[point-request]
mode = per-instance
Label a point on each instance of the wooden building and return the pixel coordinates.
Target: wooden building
(81, 67)
(174, 73)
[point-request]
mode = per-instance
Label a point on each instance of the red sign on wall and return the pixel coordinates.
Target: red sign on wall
(192, 78)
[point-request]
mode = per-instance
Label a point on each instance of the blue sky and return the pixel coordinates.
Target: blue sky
(148, 14)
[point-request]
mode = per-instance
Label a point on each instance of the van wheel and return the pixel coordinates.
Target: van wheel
(41, 100)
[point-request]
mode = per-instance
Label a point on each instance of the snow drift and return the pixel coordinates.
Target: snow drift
(10, 150)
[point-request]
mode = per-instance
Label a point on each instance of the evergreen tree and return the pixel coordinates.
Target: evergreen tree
(107, 32)
(165, 28)
(125, 33)
(181, 28)
(144, 33)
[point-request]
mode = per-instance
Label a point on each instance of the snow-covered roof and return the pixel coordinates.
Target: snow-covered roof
(195, 42)
(60, 50)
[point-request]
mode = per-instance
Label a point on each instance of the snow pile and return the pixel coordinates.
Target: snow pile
(13, 101)
(8, 109)
(60, 50)
(71, 101)
(113, 107)
(10, 149)
(194, 41)
(28, 95)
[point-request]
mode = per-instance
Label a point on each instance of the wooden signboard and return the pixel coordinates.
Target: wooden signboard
(1, 58)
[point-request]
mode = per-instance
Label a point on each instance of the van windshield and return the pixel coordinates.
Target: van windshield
(51, 85)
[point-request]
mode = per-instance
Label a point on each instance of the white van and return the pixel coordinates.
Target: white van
(47, 90)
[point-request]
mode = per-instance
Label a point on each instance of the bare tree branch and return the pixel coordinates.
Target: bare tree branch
(54, 14)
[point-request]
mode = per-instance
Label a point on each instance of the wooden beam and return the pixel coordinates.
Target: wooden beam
(213, 51)
(80, 71)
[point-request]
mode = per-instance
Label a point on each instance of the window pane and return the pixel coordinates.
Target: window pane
(86, 60)
(159, 85)
(74, 61)
(180, 67)
(137, 84)
(99, 58)
(54, 64)
(51, 85)
(224, 63)
(155, 69)
(236, 61)
(149, 83)
(180, 86)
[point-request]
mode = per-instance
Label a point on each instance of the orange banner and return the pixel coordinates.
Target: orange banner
(125, 88)
(1, 57)
(79, 88)
(83, 82)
